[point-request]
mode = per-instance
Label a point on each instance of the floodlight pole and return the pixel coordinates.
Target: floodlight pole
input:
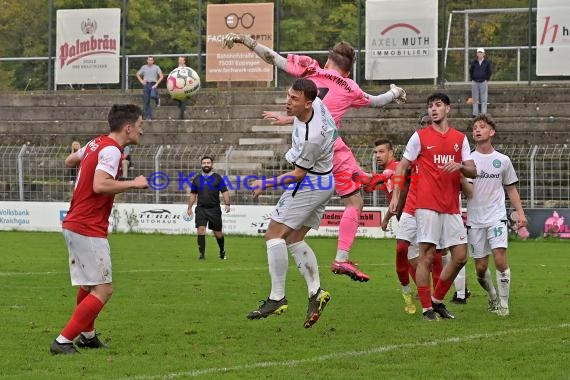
(50, 43)
(124, 45)
(277, 45)
(200, 38)
(529, 40)
(359, 43)
(442, 60)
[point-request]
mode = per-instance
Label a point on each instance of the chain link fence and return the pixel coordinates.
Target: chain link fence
(38, 173)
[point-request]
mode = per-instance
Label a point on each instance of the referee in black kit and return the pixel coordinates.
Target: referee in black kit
(207, 187)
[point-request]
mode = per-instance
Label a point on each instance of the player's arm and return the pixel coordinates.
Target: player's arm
(265, 53)
(515, 199)
(140, 78)
(277, 118)
(387, 216)
(411, 153)
(104, 183)
(191, 200)
(467, 166)
(226, 197)
(283, 180)
(468, 169)
(467, 187)
(395, 94)
(72, 160)
(400, 172)
(160, 78)
(404, 192)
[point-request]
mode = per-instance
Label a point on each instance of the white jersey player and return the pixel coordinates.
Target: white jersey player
(309, 187)
(486, 213)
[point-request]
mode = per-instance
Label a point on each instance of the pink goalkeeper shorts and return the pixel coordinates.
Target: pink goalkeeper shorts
(346, 170)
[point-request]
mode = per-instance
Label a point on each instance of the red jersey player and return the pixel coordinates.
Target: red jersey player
(85, 225)
(388, 163)
(442, 154)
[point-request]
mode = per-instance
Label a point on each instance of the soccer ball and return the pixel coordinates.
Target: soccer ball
(182, 83)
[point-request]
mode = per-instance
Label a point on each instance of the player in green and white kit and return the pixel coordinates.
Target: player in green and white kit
(487, 215)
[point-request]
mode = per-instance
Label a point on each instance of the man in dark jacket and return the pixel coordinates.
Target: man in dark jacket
(480, 73)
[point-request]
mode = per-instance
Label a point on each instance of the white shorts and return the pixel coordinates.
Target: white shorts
(89, 259)
(407, 230)
(307, 206)
(443, 230)
(483, 240)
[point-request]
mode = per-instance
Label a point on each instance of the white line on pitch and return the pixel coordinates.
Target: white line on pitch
(219, 269)
(340, 355)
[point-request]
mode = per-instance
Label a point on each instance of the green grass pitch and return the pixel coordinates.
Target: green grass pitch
(174, 317)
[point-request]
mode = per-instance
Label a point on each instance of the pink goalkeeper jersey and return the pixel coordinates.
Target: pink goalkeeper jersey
(337, 93)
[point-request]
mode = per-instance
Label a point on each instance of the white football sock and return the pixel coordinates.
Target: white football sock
(62, 339)
(307, 264)
(504, 285)
(487, 284)
(459, 283)
(406, 289)
(341, 256)
(278, 263)
(88, 334)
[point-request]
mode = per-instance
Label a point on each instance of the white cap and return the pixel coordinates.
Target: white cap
(480, 50)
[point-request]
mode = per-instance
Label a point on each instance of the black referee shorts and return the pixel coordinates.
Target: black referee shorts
(209, 217)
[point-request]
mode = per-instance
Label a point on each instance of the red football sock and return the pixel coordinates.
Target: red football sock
(442, 288)
(81, 294)
(425, 296)
(84, 315)
(436, 268)
(402, 262)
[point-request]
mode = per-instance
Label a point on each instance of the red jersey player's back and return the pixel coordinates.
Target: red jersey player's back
(439, 189)
(89, 212)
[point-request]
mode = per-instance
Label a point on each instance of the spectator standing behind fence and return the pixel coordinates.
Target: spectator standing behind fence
(182, 103)
(207, 187)
(480, 73)
(150, 76)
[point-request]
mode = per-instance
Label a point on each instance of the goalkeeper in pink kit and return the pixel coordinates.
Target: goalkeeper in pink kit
(339, 93)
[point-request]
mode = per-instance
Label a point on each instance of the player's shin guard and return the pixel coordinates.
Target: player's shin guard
(504, 286)
(201, 244)
(307, 264)
(424, 295)
(278, 262)
(412, 272)
(81, 295)
(459, 283)
(436, 268)
(402, 262)
(221, 243)
(84, 315)
(487, 284)
(347, 228)
(441, 289)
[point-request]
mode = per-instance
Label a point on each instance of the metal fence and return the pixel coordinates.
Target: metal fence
(37, 173)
